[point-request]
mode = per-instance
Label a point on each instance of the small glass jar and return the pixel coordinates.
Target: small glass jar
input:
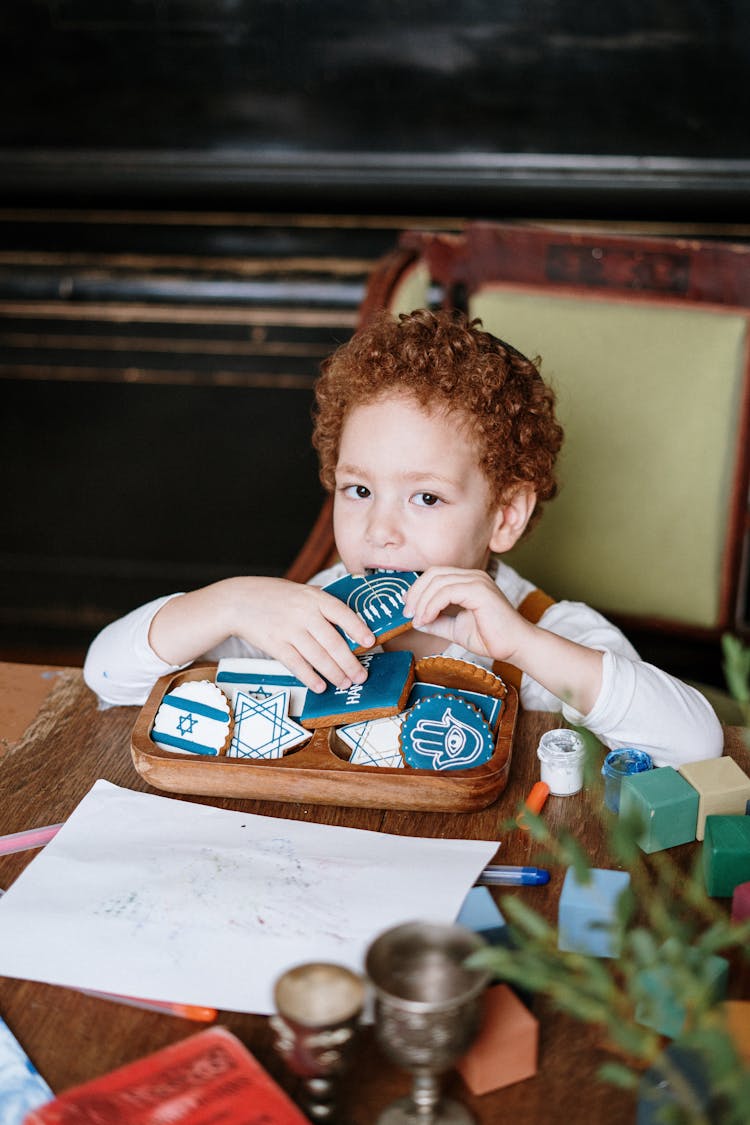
(561, 753)
(617, 765)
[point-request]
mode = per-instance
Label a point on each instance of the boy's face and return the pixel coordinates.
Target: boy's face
(409, 491)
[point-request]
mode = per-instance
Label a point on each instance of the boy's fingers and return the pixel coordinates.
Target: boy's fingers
(340, 614)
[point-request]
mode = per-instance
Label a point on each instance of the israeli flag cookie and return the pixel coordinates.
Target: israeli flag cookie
(378, 598)
(262, 728)
(375, 743)
(260, 678)
(193, 718)
(390, 676)
(445, 733)
(488, 705)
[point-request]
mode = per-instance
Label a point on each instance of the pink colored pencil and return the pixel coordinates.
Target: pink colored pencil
(31, 838)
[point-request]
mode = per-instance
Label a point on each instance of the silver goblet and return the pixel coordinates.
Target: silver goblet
(318, 1006)
(427, 1012)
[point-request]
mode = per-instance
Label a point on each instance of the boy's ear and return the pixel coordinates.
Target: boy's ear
(512, 518)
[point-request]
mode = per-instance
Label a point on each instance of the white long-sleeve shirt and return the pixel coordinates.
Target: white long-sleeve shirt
(638, 704)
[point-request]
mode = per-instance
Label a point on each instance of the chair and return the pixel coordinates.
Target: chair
(645, 341)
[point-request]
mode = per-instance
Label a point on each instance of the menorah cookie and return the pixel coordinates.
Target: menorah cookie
(390, 676)
(463, 674)
(445, 733)
(194, 718)
(378, 598)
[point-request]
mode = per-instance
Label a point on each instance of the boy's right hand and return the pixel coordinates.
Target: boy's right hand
(296, 624)
(293, 623)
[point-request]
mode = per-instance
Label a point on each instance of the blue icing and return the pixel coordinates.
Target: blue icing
(377, 598)
(487, 704)
(445, 733)
(387, 675)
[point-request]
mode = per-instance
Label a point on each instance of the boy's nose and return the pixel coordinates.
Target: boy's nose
(384, 527)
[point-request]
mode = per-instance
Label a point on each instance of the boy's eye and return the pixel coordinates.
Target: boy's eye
(357, 491)
(426, 499)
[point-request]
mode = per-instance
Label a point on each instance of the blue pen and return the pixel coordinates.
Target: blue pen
(498, 876)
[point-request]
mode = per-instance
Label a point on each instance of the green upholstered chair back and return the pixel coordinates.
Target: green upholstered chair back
(652, 391)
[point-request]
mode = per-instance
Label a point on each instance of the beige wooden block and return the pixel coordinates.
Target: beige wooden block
(723, 788)
(505, 1050)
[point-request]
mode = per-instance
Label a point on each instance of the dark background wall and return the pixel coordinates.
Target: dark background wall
(192, 194)
(519, 106)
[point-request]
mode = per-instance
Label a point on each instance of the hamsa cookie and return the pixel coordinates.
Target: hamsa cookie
(445, 733)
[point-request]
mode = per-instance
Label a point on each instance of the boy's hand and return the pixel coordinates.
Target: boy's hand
(467, 608)
(292, 623)
(297, 625)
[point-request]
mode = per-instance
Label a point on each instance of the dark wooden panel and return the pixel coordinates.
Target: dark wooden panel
(546, 106)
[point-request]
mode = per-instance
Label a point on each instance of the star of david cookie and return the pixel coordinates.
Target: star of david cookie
(194, 718)
(260, 678)
(375, 743)
(445, 733)
(378, 598)
(390, 676)
(262, 728)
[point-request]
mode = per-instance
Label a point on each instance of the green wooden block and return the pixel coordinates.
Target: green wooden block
(667, 805)
(726, 854)
(662, 987)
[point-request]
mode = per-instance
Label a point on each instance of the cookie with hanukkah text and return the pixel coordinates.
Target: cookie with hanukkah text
(445, 733)
(390, 676)
(262, 727)
(260, 678)
(194, 718)
(463, 674)
(378, 598)
(488, 705)
(374, 743)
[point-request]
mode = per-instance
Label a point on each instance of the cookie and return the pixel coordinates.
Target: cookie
(375, 743)
(262, 728)
(259, 678)
(194, 718)
(487, 705)
(378, 598)
(461, 674)
(390, 676)
(445, 733)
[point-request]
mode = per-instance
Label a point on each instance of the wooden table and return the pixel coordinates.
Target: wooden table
(55, 743)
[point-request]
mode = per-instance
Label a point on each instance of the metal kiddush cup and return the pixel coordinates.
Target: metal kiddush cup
(318, 1007)
(427, 1012)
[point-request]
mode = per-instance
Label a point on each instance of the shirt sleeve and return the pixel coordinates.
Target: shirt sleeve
(638, 704)
(120, 666)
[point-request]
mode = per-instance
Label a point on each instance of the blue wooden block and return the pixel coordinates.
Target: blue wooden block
(656, 1094)
(481, 914)
(587, 912)
(661, 987)
(667, 805)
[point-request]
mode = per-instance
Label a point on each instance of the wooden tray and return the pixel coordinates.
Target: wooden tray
(316, 773)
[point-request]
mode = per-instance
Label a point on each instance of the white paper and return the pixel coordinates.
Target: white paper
(154, 897)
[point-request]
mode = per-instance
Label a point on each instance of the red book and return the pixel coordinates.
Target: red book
(206, 1079)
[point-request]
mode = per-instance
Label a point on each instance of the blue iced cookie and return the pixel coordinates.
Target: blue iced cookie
(445, 733)
(487, 705)
(378, 599)
(390, 676)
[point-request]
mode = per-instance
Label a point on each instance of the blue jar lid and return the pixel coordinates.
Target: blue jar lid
(628, 760)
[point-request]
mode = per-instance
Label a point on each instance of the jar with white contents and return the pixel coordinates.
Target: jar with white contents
(561, 754)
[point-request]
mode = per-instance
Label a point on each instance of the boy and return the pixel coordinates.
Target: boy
(439, 443)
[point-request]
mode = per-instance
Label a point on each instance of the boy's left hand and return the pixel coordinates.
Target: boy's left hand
(467, 608)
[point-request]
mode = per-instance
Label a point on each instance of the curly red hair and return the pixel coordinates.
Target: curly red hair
(446, 362)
